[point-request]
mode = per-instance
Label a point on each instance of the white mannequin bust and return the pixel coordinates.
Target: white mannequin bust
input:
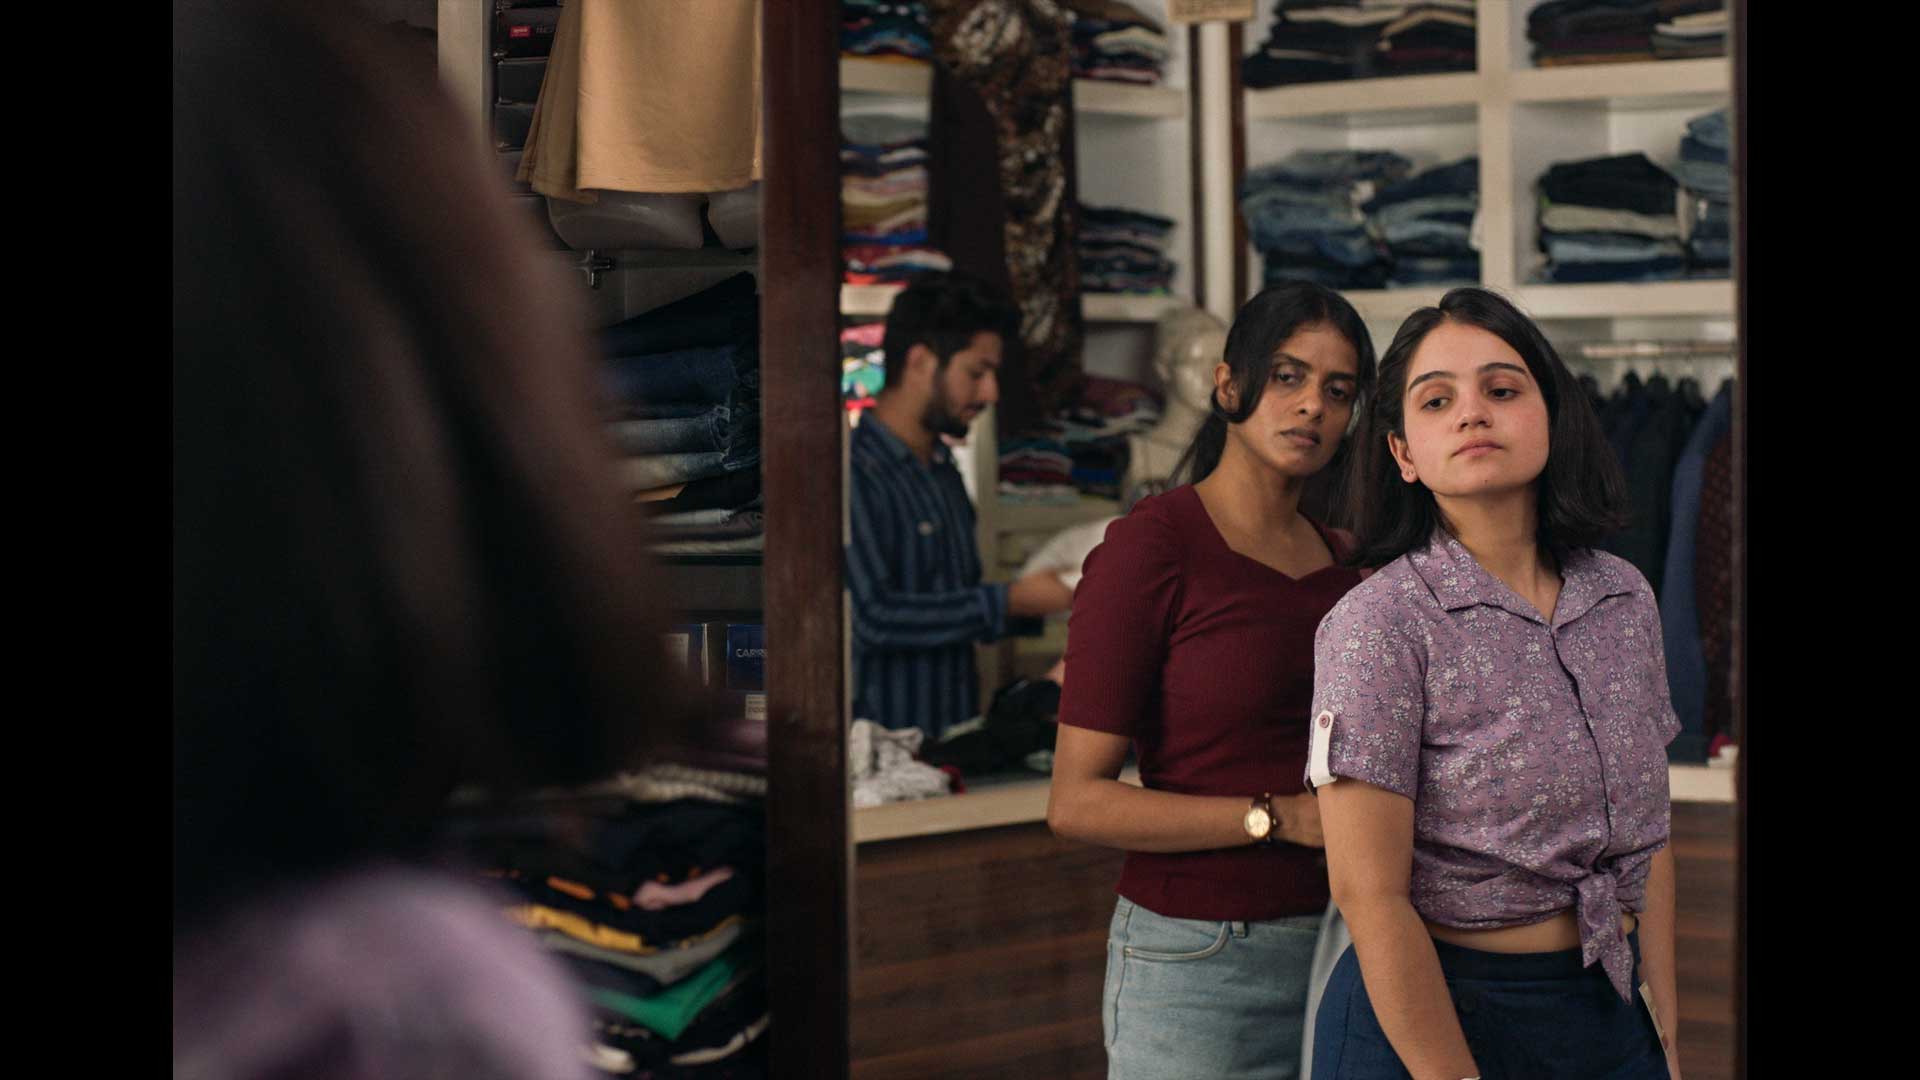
(1189, 344)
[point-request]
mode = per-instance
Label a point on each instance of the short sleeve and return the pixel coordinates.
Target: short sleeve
(1123, 614)
(1369, 698)
(1666, 721)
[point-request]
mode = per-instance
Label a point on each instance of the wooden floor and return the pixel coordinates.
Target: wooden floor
(982, 954)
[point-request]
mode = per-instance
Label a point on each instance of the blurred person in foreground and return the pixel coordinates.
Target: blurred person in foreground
(400, 563)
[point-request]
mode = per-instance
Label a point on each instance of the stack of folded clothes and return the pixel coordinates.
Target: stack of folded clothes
(883, 200)
(1124, 251)
(885, 29)
(1094, 430)
(1703, 171)
(863, 364)
(1610, 219)
(1303, 216)
(1690, 29)
(1326, 40)
(1431, 37)
(649, 889)
(683, 407)
(1116, 42)
(1426, 223)
(1037, 470)
(1566, 32)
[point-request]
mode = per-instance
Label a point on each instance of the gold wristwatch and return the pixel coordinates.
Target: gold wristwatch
(1261, 822)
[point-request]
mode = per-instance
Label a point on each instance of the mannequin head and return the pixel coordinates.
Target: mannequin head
(1188, 345)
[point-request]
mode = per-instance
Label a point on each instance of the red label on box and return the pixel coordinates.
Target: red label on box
(519, 31)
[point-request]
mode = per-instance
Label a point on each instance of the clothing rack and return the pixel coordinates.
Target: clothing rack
(1709, 363)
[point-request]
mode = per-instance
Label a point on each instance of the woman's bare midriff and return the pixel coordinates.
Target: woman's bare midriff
(1562, 931)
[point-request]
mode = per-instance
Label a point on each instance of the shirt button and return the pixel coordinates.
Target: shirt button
(926, 528)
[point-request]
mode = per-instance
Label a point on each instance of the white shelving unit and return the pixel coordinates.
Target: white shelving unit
(915, 79)
(1519, 120)
(875, 300)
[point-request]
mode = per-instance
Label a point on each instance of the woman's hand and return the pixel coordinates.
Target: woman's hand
(1300, 820)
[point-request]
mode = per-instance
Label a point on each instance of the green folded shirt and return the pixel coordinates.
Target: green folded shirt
(672, 1009)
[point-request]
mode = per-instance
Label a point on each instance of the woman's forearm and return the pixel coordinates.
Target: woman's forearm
(1409, 994)
(1119, 815)
(1657, 956)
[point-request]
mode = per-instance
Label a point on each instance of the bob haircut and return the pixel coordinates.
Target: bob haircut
(1263, 324)
(1582, 490)
(401, 563)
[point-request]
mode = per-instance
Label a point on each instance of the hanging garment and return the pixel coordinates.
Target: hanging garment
(1002, 122)
(638, 97)
(1679, 604)
(1713, 586)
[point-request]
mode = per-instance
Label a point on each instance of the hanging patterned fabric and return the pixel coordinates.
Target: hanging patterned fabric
(1009, 63)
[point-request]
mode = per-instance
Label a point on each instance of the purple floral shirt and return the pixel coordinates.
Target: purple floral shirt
(1534, 752)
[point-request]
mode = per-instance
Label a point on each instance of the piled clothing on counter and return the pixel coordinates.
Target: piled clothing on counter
(1567, 32)
(863, 364)
(1427, 222)
(1019, 725)
(1115, 41)
(1326, 40)
(1610, 219)
(684, 409)
(654, 906)
(885, 29)
(1124, 251)
(881, 767)
(1303, 215)
(1703, 171)
(883, 200)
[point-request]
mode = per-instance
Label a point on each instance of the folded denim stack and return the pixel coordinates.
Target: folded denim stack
(654, 907)
(1690, 28)
(684, 410)
(1094, 431)
(863, 364)
(1124, 251)
(1325, 40)
(1303, 216)
(1703, 172)
(1610, 219)
(1567, 32)
(883, 200)
(1116, 42)
(885, 30)
(1427, 224)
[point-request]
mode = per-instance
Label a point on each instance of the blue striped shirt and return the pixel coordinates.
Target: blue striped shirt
(914, 570)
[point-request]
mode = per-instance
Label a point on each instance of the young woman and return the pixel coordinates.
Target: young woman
(1191, 643)
(1489, 721)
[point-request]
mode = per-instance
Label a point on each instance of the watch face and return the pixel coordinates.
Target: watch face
(1258, 823)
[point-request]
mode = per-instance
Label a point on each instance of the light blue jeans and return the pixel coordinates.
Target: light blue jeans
(1189, 998)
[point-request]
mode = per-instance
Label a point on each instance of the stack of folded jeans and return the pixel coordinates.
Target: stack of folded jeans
(1094, 431)
(1690, 28)
(1566, 32)
(1703, 172)
(1303, 215)
(883, 200)
(1432, 37)
(1610, 219)
(863, 364)
(885, 29)
(1427, 224)
(654, 908)
(684, 410)
(1115, 41)
(1124, 251)
(1327, 40)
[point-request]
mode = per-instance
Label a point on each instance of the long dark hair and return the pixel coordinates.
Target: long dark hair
(1263, 324)
(1582, 491)
(400, 560)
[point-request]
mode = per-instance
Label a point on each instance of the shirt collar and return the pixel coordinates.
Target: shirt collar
(897, 447)
(1458, 581)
